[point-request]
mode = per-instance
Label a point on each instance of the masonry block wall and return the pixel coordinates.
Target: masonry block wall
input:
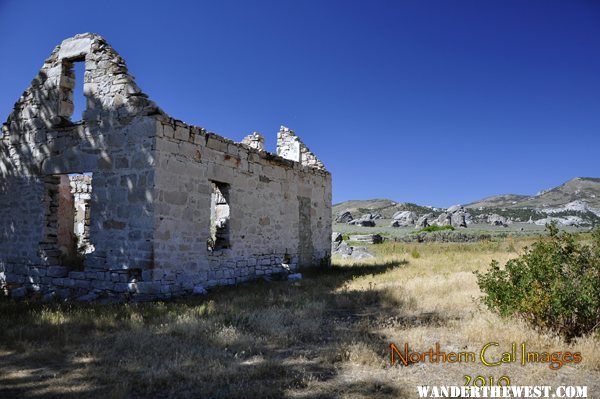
(170, 206)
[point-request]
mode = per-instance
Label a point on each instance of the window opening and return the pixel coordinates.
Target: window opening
(219, 217)
(72, 100)
(67, 219)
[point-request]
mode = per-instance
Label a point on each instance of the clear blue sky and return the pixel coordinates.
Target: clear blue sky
(434, 102)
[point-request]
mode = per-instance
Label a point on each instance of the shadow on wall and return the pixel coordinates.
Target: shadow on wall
(270, 340)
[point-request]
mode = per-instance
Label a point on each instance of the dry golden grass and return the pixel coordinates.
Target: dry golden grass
(439, 294)
(325, 336)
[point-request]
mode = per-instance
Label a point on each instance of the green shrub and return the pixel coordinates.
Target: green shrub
(415, 254)
(554, 285)
(430, 229)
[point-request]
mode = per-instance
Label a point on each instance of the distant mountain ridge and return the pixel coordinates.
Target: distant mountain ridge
(577, 198)
(586, 189)
(501, 200)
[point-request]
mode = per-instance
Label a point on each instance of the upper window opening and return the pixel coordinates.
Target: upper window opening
(79, 101)
(72, 100)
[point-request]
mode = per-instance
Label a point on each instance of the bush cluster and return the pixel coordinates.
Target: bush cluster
(554, 285)
(432, 228)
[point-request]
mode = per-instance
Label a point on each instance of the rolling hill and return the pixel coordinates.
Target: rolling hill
(578, 197)
(581, 189)
(385, 207)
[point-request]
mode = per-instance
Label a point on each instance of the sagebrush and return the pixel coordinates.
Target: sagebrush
(554, 285)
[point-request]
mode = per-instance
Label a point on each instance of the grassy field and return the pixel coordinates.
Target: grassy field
(327, 335)
(383, 228)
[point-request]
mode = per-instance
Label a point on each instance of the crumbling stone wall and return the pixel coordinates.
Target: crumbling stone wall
(290, 146)
(141, 196)
(255, 140)
(265, 193)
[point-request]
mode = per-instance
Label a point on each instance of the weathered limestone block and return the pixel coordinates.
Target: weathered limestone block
(57, 271)
(148, 287)
(216, 143)
(86, 284)
(77, 275)
(102, 284)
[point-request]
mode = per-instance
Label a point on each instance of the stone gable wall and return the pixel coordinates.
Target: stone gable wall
(42, 141)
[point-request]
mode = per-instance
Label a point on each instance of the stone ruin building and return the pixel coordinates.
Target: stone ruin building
(130, 202)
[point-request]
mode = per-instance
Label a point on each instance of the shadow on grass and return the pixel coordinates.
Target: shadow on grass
(260, 339)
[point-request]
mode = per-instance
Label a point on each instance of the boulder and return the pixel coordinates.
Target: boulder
(336, 237)
(344, 217)
(445, 219)
(496, 220)
(458, 219)
(372, 216)
(362, 222)
(336, 240)
(455, 216)
(423, 221)
(369, 238)
(404, 218)
(468, 218)
(334, 246)
(356, 253)
(360, 253)
(343, 249)
(367, 217)
(455, 208)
